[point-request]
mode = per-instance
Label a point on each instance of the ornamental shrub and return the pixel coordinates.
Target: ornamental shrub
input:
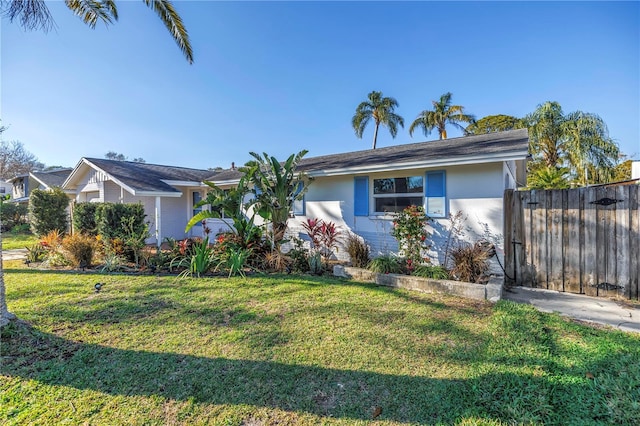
(410, 229)
(79, 249)
(84, 218)
(48, 211)
(114, 220)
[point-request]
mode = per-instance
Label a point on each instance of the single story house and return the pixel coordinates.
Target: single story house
(359, 191)
(22, 185)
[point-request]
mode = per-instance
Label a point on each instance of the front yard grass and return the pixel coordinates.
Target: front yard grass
(11, 241)
(298, 350)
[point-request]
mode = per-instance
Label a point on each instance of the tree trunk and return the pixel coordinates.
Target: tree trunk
(5, 315)
(375, 135)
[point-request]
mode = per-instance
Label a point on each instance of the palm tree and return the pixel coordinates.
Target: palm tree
(381, 110)
(545, 132)
(578, 141)
(34, 15)
(443, 112)
(587, 145)
(548, 178)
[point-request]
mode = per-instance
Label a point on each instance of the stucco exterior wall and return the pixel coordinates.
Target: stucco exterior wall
(476, 190)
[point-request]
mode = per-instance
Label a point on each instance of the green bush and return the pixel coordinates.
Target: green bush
(113, 220)
(84, 218)
(386, 265)
(13, 215)
(48, 211)
(431, 271)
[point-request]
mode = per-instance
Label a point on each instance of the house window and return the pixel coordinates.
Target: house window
(435, 194)
(196, 197)
(392, 195)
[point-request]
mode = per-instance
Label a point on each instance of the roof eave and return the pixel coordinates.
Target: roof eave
(445, 162)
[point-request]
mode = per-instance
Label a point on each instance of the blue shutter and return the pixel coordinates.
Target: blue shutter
(361, 196)
(435, 185)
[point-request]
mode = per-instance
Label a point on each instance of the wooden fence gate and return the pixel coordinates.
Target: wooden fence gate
(584, 240)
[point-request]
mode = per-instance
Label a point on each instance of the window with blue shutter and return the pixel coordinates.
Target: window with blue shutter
(361, 196)
(435, 194)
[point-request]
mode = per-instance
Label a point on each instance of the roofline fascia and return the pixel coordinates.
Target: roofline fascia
(182, 182)
(224, 182)
(158, 194)
(420, 164)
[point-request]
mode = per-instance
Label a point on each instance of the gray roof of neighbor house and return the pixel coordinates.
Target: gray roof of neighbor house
(466, 149)
(53, 178)
(148, 177)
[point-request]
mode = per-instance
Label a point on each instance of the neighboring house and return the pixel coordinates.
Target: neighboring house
(6, 188)
(168, 193)
(360, 191)
(22, 185)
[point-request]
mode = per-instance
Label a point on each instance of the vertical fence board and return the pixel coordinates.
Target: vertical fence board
(533, 237)
(634, 242)
(622, 239)
(601, 255)
(541, 237)
(555, 242)
(572, 243)
(589, 264)
(609, 286)
(509, 208)
(527, 270)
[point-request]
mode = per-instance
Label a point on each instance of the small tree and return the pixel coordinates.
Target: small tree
(410, 229)
(276, 186)
(48, 211)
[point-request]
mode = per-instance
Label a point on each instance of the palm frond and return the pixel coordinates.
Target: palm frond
(92, 11)
(32, 14)
(172, 21)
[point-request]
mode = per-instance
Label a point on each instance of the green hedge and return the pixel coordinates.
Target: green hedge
(48, 211)
(110, 217)
(13, 214)
(84, 218)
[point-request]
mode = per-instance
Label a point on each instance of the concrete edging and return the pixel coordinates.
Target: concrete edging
(491, 291)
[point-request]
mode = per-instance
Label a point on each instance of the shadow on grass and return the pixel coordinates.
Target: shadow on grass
(348, 394)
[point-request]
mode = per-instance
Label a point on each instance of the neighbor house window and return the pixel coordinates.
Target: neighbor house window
(392, 195)
(435, 194)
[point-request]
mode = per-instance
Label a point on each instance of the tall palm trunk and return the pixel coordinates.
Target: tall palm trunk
(375, 135)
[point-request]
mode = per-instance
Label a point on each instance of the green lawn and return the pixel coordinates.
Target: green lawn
(12, 241)
(298, 350)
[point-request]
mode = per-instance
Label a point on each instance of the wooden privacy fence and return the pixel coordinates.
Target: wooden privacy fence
(584, 240)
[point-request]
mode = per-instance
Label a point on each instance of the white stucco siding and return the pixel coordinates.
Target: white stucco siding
(476, 190)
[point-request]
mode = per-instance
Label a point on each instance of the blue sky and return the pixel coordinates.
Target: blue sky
(284, 76)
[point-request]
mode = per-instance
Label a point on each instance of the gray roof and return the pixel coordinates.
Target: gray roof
(512, 141)
(148, 177)
(54, 178)
(455, 149)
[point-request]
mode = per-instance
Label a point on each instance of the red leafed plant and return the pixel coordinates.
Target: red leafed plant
(324, 235)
